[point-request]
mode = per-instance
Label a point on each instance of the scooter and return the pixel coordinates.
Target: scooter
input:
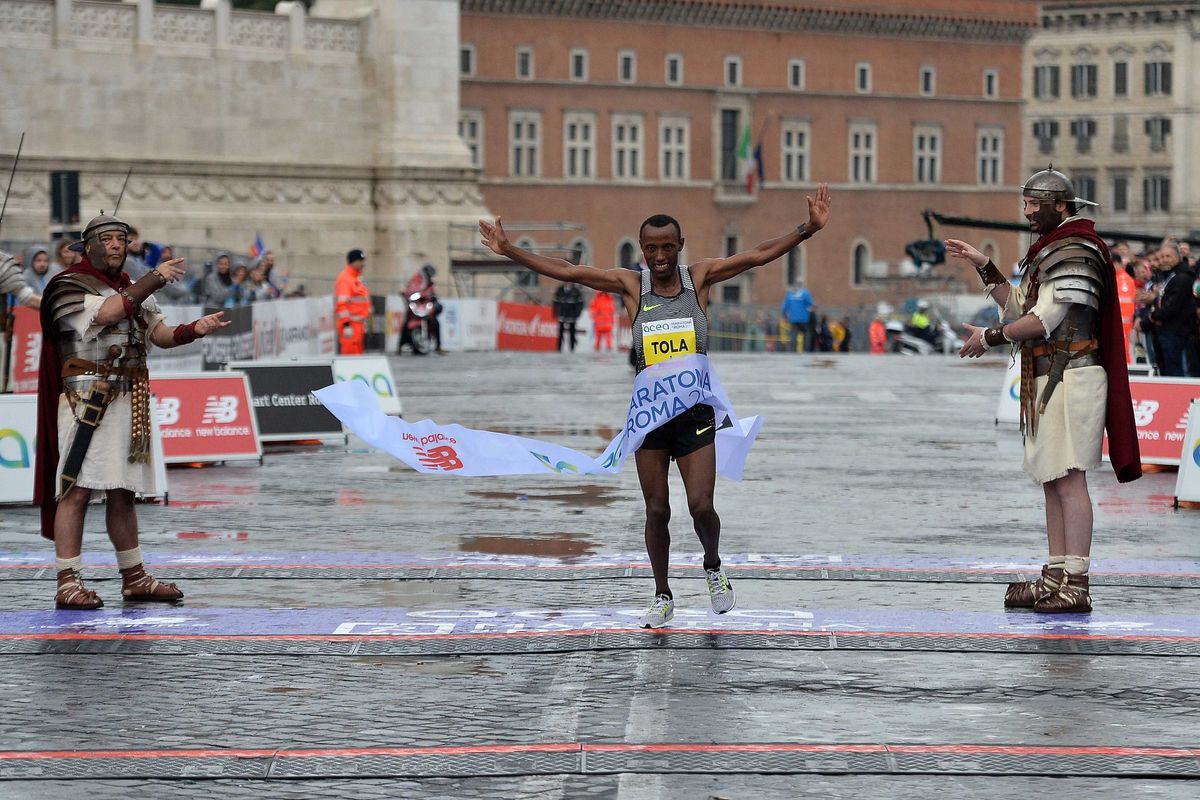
(423, 309)
(909, 341)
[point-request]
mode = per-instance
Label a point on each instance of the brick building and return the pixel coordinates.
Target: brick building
(602, 114)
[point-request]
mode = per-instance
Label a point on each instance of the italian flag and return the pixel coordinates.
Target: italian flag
(746, 159)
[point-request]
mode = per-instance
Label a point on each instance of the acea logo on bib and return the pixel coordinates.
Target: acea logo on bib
(14, 450)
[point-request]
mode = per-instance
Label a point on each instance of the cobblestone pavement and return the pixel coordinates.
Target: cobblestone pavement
(888, 457)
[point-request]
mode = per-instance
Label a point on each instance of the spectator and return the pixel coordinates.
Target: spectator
(797, 312)
(38, 270)
(603, 313)
(568, 305)
(259, 287)
(239, 294)
(135, 258)
(277, 278)
(63, 257)
(218, 284)
(178, 292)
(1174, 315)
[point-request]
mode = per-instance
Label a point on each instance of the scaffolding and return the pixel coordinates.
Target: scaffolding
(478, 272)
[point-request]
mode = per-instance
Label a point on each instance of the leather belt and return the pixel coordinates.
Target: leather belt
(1084, 353)
(75, 367)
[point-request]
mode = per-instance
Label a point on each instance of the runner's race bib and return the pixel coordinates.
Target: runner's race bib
(668, 338)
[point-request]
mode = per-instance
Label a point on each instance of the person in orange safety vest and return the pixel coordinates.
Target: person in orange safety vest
(352, 304)
(603, 312)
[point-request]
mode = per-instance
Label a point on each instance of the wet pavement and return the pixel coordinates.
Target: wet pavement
(353, 629)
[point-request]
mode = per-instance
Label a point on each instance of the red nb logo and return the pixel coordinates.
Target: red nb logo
(444, 458)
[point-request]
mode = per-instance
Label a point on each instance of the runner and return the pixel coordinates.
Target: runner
(668, 304)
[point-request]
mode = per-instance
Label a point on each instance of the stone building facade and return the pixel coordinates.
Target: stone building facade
(324, 132)
(1111, 90)
(606, 113)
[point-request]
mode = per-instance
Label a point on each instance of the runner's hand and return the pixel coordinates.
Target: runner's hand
(818, 209)
(493, 236)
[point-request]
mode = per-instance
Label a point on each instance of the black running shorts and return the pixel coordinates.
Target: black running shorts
(687, 433)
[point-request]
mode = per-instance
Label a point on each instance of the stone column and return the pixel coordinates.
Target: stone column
(220, 9)
(62, 19)
(145, 21)
(294, 10)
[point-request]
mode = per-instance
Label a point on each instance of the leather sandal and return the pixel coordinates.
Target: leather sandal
(138, 585)
(1025, 594)
(72, 595)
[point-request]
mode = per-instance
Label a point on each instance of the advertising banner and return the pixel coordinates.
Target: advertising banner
(1187, 486)
(469, 324)
(18, 431)
(234, 342)
(284, 405)
(26, 351)
(298, 327)
(205, 417)
(1160, 409)
(1008, 408)
(375, 372)
(525, 327)
(185, 358)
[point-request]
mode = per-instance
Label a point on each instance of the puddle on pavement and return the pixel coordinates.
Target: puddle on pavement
(239, 536)
(823, 363)
(586, 496)
(558, 545)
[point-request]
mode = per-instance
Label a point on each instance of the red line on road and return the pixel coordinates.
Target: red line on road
(352, 637)
(619, 747)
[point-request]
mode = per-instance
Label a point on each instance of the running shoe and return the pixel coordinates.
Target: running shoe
(720, 590)
(659, 613)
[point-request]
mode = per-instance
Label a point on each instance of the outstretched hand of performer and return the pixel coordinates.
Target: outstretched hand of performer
(207, 324)
(493, 236)
(172, 270)
(973, 347)
(818, 208)
(960, 249)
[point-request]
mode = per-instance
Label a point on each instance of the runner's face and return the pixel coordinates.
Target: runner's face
(660, 249)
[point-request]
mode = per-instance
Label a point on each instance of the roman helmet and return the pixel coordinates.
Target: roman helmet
(99, 225)
(1052, 186)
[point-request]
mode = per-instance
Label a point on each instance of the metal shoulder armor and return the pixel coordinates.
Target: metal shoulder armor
(1073, 269)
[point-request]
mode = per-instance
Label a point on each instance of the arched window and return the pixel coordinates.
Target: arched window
(627, 254)
(581, 253)
(859, 264)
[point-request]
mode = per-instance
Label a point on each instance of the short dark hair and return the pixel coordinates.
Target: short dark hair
(661, 221)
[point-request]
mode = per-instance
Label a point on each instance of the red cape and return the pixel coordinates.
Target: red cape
(1123, 450)
(50, 388)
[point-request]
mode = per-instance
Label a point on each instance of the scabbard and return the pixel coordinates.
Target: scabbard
(93, 412)
(1054, 377)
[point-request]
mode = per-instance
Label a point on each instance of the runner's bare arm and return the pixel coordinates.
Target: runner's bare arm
(604, 280)
(714, 270)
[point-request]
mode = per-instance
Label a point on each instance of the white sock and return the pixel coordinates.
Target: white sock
(75, 563)
(1057, 562)
(129, 558)
(1078, 565)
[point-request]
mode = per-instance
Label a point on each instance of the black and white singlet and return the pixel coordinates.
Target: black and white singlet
(666, 327)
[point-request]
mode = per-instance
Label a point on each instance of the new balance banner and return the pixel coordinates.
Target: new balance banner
(1160, 410)
(284, 405)
(660, 393)
(205, 417)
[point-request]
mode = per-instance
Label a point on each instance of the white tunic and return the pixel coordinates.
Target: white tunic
(1070, 432)
(106, 465)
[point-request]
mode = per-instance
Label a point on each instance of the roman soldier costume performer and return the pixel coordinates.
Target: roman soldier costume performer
(94, 405)
(12, 281)
(1065, 321)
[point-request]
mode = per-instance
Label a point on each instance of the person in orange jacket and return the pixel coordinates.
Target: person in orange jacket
(877, 332)
(603, 312)
(352, 304)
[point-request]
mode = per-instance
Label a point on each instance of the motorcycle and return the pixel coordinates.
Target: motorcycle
(420, 323)
(909, 341)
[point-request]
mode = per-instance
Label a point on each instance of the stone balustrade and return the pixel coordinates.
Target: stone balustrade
(214, 25)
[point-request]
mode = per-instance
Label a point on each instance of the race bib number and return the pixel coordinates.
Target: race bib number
(665, 339)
